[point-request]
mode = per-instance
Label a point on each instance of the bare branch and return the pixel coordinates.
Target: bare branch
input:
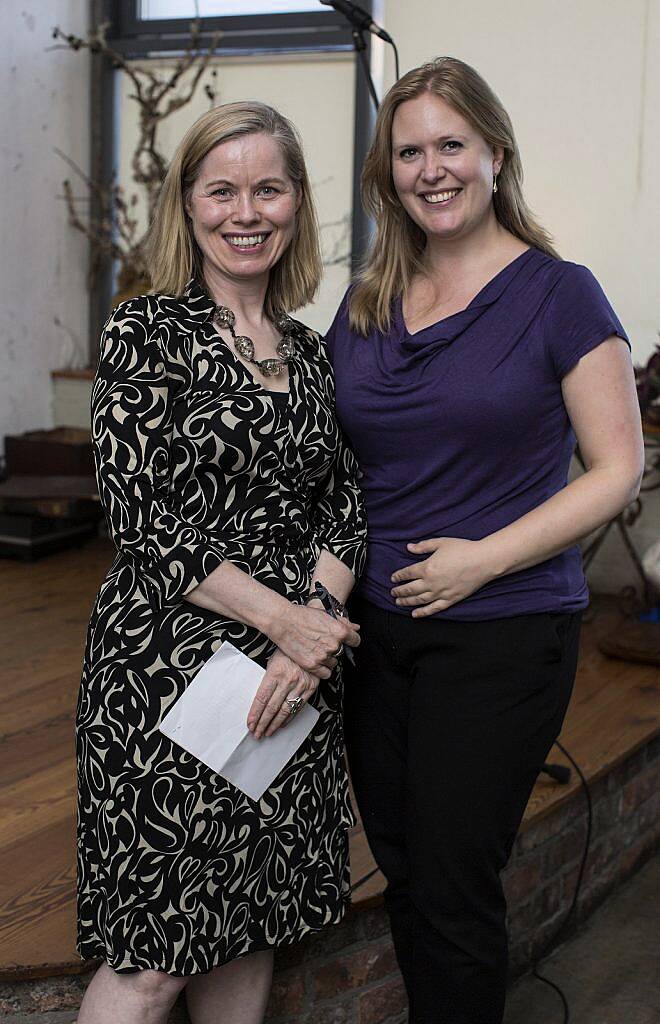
(93, 186)
(114, 231)
(95, 231)
(181, 101)
(97, 43)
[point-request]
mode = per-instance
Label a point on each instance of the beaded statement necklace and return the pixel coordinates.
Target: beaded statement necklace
(224, 317)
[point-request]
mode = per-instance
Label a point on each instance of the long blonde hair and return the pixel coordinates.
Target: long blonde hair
(173, 255)
(396, 252)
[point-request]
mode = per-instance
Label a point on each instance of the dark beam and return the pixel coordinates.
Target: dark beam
(365, 118)
(102, 163)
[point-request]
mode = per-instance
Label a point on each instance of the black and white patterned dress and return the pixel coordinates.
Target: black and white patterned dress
(177, 870)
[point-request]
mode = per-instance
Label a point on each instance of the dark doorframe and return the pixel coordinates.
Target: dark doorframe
(365, 118)
(102, 166)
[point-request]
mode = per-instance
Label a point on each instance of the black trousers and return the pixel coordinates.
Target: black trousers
(447, 726)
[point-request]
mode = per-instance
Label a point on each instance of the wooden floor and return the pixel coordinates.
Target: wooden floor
(44, 612)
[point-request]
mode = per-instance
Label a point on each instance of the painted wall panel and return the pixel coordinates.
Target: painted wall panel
(43, 297)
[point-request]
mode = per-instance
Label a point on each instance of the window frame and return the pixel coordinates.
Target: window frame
(243, 33)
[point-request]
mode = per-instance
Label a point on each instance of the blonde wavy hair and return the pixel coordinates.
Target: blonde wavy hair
(173, 256)
(397, 249)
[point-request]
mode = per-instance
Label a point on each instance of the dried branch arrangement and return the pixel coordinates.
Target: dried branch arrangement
(111, 224)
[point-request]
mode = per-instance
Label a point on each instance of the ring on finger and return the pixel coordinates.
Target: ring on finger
(335, 654)
(294, 705)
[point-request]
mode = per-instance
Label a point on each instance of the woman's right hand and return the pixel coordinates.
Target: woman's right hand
(312, 638)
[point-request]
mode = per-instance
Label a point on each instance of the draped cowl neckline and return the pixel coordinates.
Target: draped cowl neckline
(429, 339)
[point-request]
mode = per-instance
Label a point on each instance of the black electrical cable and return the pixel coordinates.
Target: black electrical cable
(360, 46)
(361, 881)
(554, 938)
(396, 59)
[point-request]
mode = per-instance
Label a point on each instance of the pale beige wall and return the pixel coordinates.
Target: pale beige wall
(316, 93)
(581, 81)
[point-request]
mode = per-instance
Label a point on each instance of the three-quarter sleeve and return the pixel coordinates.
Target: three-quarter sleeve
(340, 521)
(131, 432)
(339, 518)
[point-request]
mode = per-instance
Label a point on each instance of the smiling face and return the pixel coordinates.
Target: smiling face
(442, 168)
(243, 207)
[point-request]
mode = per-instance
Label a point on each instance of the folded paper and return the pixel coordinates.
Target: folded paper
(209, 720)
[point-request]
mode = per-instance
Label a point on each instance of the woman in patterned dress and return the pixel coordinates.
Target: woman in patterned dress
(228, 493)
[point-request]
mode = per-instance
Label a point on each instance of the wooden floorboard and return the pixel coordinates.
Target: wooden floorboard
(44, 611)
(35, 802)
(34, 705)
(29, 751)
(37, 925)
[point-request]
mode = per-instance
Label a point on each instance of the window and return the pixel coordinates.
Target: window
(144, 27)
(150, 9)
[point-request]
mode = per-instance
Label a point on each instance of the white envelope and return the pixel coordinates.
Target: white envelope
(209, 720)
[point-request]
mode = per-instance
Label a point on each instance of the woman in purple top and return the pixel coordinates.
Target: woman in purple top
(468, 358)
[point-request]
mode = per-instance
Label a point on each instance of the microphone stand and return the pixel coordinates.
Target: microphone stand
(360, 21)
(360, 47)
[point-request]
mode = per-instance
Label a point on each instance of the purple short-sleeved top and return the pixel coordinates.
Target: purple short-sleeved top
(461, 428)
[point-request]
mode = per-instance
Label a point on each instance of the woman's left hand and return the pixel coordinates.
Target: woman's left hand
(454, 569)
(284, 681)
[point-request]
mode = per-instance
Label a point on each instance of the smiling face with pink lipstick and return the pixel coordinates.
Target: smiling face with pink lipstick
(242, 207)
(442, 168)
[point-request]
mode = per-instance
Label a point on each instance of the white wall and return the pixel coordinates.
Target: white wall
(581, 81)
(45, 104)
(317, 93)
